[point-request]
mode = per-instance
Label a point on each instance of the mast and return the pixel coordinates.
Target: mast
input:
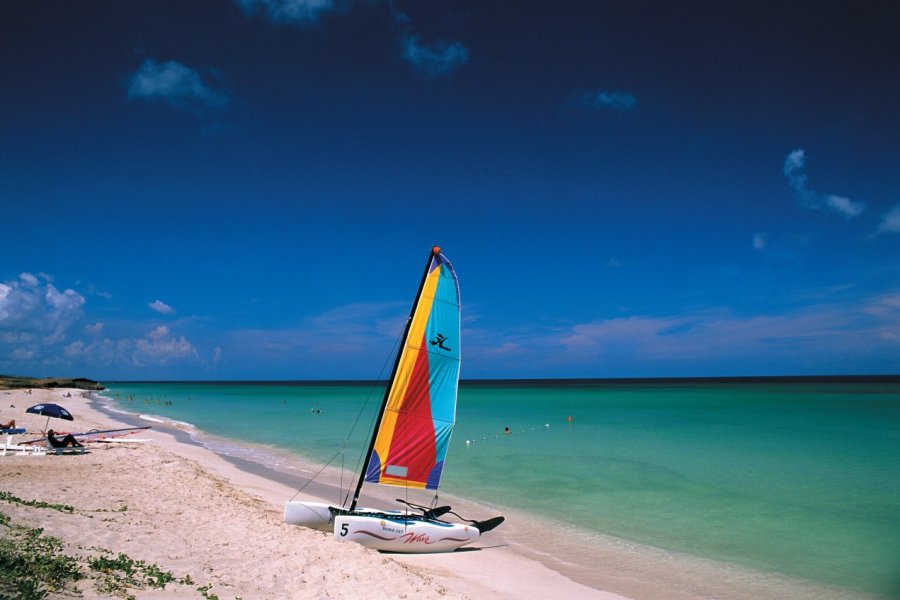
(435, 250)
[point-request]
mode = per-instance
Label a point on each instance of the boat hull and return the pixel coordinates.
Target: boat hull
(320, 515)
(406, 534)
(314, 515)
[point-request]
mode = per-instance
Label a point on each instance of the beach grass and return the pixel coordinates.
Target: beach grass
(34, 565)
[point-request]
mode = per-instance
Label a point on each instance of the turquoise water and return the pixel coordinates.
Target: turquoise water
(795, 477)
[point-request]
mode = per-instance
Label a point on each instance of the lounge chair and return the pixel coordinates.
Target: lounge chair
(9, 446)
(64, 446)
(13, 431)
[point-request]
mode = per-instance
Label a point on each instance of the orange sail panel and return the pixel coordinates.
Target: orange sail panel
(414, 432)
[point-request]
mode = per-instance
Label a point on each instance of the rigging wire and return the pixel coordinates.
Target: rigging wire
(372, 424)
(345, 443)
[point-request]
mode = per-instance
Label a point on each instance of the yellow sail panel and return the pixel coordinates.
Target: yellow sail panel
(414, 431)
(408, 361)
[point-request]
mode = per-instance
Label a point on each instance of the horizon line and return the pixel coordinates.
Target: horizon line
(543, 380)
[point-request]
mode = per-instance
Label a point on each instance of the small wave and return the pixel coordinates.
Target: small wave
(109, 404)
(190, 428)
(150, 418)
(237, 450)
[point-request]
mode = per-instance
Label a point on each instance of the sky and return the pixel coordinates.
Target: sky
(249, 189)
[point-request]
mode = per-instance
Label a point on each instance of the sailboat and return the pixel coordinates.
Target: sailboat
(409, 443)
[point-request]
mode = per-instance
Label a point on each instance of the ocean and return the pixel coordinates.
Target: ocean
(799, 477)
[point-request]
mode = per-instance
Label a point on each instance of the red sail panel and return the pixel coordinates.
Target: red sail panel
(413, 442)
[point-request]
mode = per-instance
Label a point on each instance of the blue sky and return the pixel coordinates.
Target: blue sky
(248, 189)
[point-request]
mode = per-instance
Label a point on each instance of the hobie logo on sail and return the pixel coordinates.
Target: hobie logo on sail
(439, 342)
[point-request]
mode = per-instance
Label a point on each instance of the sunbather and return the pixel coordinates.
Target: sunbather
(11, 424)
(63, 442)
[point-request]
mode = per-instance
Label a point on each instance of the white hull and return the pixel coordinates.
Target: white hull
(314, 515)
(424, 381)
(318, 515)
(402, 533)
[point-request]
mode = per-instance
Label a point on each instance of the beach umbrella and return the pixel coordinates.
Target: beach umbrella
(50, 410)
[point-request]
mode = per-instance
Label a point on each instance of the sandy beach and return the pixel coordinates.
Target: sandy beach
(217, 520)
(193, 513)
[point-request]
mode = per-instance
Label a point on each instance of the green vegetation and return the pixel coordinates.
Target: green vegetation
(16, 381)
(205, 592)
(118, 574)
(36, 503)
(33, 565)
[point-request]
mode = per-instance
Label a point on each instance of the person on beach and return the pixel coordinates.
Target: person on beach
(11, 424)
(68, 440)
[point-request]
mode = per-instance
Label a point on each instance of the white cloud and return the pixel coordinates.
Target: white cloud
(29, 279)
(38, 323)
(348, 337)
(856, 335)
(159, 348)
(794, 164)
(504, 349)
(64, 309)
(759, 241)
(606, 100)
(23, 354)
(161, 307)
(784, 245)
(174, 84)
(438, 59)
(33, 315)
(795, 172)
(890, 221)
(845, 206)
(628, 332)
(360, 317)
(883, 306)
(288, 11)
(813, 332)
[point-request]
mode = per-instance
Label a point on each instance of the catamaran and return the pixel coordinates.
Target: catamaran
(412, 434)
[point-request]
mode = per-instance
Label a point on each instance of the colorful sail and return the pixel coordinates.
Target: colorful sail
(414, 431)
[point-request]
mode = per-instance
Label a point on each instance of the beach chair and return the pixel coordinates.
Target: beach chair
(11, 432)
(54, 446)
(9, 446)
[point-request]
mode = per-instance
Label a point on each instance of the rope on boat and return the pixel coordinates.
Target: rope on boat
(346, 441)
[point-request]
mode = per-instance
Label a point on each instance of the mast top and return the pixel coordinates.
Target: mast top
(435, 249)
